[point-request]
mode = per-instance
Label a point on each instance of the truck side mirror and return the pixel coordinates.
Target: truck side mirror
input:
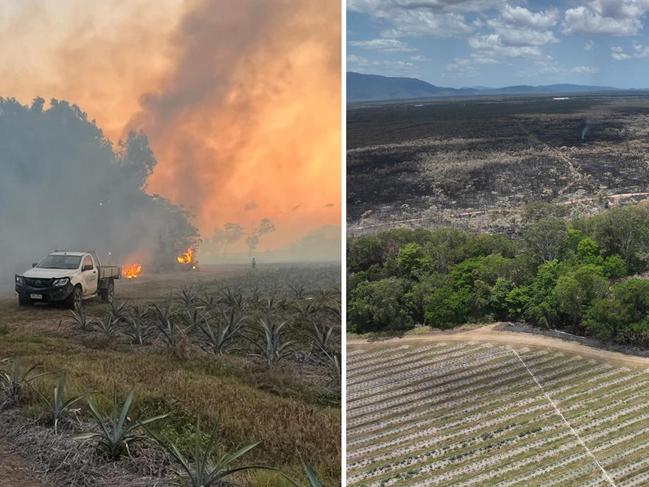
(34, 264)
(87, 267)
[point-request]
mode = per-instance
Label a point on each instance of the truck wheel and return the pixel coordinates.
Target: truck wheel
(75, 301)
(108, 294)
(24, 300)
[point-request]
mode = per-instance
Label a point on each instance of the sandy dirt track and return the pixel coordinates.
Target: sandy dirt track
(15, 471)
(490, 334)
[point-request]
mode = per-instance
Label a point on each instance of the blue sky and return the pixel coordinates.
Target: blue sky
(460, 43)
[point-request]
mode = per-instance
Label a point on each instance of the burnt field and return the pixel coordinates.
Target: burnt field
(478, 162)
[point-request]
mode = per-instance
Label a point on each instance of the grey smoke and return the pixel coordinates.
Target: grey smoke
(585, 127)
(63, 185)
(265, 226)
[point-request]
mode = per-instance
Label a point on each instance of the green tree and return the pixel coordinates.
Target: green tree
(576, 291)
(447, 307)
(614, 267)
(362, 252)
(412, 261)
(545, 238)
(624, 231)
(588, 251)
(379, 306)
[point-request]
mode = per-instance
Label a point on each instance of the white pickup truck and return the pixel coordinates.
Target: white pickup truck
(69, 277)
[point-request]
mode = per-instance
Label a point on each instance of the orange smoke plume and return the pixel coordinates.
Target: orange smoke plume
(247, 124)
(239, 98)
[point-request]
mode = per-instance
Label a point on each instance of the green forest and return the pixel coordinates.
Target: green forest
(582, 276)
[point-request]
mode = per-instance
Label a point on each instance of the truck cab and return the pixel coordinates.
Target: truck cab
(67, 277)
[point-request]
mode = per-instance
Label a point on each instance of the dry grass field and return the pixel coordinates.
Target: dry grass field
(292, 408)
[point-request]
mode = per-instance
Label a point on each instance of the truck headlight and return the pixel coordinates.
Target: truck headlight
(61, 282)
(20, 280)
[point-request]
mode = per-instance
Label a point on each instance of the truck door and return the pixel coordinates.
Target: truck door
(90, 275)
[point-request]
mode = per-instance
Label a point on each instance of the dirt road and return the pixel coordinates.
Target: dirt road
(490, 334)
(15, 471)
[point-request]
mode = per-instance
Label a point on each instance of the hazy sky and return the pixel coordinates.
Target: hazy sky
(239, 98)
(494, 43)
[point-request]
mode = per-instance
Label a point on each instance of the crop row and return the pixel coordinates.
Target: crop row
(478, 418)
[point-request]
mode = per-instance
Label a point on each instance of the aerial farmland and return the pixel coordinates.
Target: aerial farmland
(493, 408)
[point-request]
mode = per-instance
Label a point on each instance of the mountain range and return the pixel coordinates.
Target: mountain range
(372, 87)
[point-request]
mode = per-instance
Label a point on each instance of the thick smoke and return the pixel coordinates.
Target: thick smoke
(250, 113)
(240, 99)
(64, 186)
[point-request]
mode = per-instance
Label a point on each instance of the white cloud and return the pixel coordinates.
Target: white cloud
(352, 59)
(462, 6)
(421, 22)
(440, 18)
(589, 45)
(584, 70)
(459, 65)
(525, 37)
(637, 51)
(388, 45)
(606, 17)
(493, 45)
(480, 58)
(522, 17)
(518, 26)
(516, 33)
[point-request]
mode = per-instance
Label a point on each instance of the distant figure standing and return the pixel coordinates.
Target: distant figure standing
(254, 263)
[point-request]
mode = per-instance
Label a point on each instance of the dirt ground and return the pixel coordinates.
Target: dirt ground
(490, 334)
(15, 471)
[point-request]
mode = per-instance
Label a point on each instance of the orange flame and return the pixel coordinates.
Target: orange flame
(131, 271)
(187, 257)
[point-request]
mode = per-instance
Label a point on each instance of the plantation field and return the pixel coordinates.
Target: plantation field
(478, 413)
(155, 342)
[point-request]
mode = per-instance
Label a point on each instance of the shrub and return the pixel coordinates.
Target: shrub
(117, 431)
(199, 469)
(379, 305)
(60, 408)
(412, 261)
(446, 307)
(221, 331)
(272, 346)
(14, 380)
(166, 323)
(623, 313)
(614, 267)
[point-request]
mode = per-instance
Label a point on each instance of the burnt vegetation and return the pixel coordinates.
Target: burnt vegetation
(477, 163)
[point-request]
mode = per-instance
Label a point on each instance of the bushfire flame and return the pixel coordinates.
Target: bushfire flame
(131, 271)
(187, 257)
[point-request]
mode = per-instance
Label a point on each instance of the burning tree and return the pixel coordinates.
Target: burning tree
(52, 151)
(176, 239)
(265, 226)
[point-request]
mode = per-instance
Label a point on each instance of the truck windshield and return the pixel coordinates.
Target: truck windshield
(57, 261)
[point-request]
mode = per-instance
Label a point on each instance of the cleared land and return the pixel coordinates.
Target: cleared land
(462, 410)
(478, 162)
